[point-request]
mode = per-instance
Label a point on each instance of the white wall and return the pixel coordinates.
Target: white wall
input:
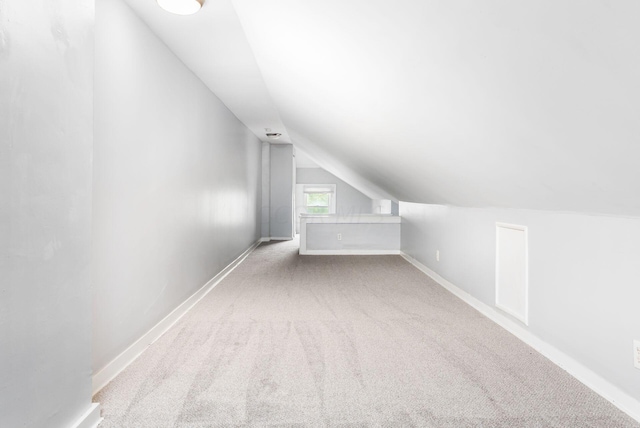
(176, 183)
(349, 201)
(281, 182)
(583, 276)
(355, 237)
(365, 234)
(266, 190)
(46, 110)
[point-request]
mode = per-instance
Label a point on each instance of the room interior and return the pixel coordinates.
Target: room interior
(146, 155)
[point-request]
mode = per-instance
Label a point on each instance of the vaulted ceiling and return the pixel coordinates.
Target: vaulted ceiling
(471, 103)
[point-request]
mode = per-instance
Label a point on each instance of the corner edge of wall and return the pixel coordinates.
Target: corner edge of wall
(586, 376)
(90, 419)
(129, 355)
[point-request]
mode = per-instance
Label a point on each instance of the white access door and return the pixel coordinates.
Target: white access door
(512, 285)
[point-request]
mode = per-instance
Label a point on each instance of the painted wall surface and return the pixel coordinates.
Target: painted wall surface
(583, 276)
(176, 182)
(471, 101)
(46, 132)
(266, 189)
(349, 201)
(282, 188)
(354, 236)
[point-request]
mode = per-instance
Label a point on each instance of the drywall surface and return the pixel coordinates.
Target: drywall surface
(281, 193)
(395, 208)
(46, 132)
(463, 103)
(213, 45)
(353, 236)
(349, 201)
(266, 189)
(176, 182)
(583, 276)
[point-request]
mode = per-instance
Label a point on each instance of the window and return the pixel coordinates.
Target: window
(317, 203)
(318, 199)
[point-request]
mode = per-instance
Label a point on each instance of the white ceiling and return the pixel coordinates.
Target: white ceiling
(491, 103)
(213, 45)
(303, 160)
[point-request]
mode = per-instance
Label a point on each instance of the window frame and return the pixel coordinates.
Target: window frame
(329, 189)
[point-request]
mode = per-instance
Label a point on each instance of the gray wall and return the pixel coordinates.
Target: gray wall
(281, 181)
(355, 236)
(583, 276)
(176, 183)
(349, 201)
(266, 189)
(46, 110)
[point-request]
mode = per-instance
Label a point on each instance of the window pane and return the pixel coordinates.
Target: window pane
(318, 210)
(317, 199)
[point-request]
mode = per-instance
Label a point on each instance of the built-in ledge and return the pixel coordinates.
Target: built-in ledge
(355, 234)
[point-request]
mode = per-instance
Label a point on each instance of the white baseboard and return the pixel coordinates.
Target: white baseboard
(90, 419)
(280, 238)
(111, 370)
(595, 382)
(347, 252)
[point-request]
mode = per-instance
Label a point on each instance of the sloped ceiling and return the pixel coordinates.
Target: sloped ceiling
(469, 103)
(212, 43)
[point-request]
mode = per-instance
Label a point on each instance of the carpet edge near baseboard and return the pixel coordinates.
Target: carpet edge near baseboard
(586, 376)
(105, 375)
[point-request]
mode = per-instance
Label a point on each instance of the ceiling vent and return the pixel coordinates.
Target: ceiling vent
(273, 135)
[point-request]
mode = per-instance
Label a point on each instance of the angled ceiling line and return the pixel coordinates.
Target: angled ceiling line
(318, 154)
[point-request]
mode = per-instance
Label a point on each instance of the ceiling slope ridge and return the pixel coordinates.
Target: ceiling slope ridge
(285, 137)
(141, 18)
(481, 105)
(331, 164)
(233, 74)
(213, 46)
(547, 211)
(318, 154)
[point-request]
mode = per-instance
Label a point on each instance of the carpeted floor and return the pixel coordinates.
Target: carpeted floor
(358, 341)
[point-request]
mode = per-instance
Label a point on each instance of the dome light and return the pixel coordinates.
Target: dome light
(181, 7)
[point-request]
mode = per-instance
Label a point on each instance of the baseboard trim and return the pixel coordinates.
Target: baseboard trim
(90, 419)
(592, 380)
(348, 252)
(280, 238)
(118, 364)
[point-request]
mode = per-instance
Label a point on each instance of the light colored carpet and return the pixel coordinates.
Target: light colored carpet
(288, 340)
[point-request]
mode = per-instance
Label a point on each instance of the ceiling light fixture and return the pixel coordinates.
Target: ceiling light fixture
(273, 135)
(181, 7)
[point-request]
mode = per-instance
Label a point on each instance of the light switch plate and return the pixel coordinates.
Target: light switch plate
(636, 353)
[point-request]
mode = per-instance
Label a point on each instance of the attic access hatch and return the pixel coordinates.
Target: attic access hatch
(512, 282)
